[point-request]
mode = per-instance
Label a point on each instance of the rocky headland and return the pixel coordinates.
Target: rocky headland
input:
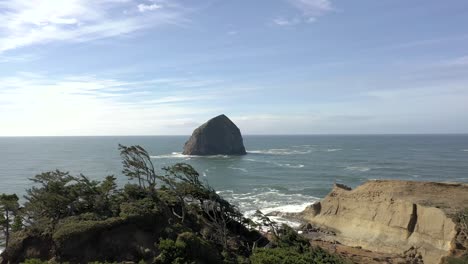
(218, 136)
(404, 221)
(171, 217)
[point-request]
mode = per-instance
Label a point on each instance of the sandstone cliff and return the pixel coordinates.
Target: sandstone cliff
(218, 136)
(395, 216)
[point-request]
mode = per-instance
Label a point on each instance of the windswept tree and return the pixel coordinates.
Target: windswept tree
(221, 213)
(57, 195)
(184, 181)
(137, 165)
(50, 199)
(265, 221)
(9, 208)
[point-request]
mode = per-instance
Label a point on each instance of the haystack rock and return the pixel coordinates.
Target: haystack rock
(394, 216)
(218, 136)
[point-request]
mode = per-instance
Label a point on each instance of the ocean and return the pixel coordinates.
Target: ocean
(279, 173)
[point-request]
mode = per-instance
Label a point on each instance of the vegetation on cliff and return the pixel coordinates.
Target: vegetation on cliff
(166, 217)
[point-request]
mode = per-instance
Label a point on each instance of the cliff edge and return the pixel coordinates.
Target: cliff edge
(218, 136)
(393, 216)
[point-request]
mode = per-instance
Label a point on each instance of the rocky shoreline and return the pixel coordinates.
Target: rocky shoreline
(390, 221)
(381, 221)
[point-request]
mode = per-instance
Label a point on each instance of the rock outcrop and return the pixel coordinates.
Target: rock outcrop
(218, 136)
(395, 217)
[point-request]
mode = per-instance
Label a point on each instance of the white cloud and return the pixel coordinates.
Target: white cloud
(310, 11)
(35, 104)
(144, 8)
(26, 22)
(280, 21)
(313, 8)
(18, 58)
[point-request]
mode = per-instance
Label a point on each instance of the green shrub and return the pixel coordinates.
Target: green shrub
(167, 197)
(288, 237)
(35, 261)
(188, 248)
(172, 231)
(71, 228)
(292, 248)
(142, 207)
(454, 260)
(279, 256)
(292, 256)
(134, 192)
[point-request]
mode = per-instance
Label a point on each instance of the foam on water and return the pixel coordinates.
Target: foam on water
(298, 166)
(240, 169)
(280, 152)
(269, 200)
(358, 168)
(173, 155)
(334, 149)
(303, 146)
(177, 155)
(287, 165)
(289, 208)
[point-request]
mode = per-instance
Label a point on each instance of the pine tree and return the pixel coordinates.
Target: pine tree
(9, 207)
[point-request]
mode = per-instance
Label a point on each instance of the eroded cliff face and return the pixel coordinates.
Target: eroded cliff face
(394, 216)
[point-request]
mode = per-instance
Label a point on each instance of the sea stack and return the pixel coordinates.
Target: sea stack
(218, 136)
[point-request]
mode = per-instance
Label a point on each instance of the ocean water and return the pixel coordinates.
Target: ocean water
(279, 173)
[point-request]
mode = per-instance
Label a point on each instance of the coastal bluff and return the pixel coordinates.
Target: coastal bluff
(397, 217)
(218, 136)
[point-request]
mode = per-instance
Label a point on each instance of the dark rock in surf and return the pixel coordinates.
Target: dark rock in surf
(218, 136)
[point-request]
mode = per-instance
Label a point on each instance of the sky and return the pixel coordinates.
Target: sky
(163, 67)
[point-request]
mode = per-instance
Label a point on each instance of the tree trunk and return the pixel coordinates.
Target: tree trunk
(7, 229)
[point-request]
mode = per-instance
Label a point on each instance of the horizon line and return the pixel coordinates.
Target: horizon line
(311, 134)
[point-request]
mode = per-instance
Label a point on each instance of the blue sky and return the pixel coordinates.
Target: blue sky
(149, 67)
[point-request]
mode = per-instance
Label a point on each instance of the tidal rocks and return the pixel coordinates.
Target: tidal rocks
(218, 136)
(393, 216)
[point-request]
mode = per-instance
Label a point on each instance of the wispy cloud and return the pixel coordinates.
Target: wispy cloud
(37, 104)
(150, 7)
(313, 8)
(459, 61)
(281, 21)
(18, 58)
(427, 42)
(310, 11)
(27, 22)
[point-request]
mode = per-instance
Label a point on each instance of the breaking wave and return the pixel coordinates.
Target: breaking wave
(269, 200)
(358, 168)
(173, 155)
(178, 155)
(240, 169)
(334, 149)
(280, 152)
(287, 165)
